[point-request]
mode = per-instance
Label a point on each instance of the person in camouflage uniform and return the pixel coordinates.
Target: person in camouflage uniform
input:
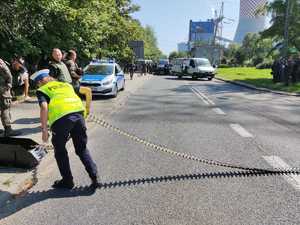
(5, 99)
(76, 73)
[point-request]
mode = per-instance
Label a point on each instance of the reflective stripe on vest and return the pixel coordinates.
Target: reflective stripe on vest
(63, 100)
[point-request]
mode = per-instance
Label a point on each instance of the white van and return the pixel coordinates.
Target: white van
(194, 67)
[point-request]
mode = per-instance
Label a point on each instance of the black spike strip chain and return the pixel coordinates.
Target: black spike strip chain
(160, 148)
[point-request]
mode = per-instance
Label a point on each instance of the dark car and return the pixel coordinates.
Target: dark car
(162, 67)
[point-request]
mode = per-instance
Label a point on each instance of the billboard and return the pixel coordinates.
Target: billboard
(138, 49)
(201, 31)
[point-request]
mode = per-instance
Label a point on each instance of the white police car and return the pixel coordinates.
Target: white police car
(104, 77)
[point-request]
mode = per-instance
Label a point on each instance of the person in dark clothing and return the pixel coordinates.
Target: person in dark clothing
(297, 68)
(58, 70)
(144, 69)
(131, 69)
(43, 63)
(62, 109)
(276, 71)
(21, 76)
(290, 70)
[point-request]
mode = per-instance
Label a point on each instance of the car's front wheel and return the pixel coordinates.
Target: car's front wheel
(115, 93)
(123, 88)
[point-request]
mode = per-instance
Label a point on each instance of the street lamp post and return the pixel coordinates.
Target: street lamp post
(286, 29)
(286, 41)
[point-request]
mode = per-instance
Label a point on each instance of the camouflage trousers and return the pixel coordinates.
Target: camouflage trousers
(5, 111)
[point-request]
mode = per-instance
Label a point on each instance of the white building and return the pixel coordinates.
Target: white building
(251, 21)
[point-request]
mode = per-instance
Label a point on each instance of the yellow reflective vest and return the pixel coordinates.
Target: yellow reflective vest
(63, 100)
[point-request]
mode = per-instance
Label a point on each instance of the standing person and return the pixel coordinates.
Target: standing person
(297, 68)
(21, 75)
(76, 73)
(58, 70)
(5, 100)
(144, 69)
(290, 70)
(63, 110)
(131, 70)
(275, 71)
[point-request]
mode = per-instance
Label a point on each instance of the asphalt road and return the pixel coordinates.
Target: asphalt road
(208, 119)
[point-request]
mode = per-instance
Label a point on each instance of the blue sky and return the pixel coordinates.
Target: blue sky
(170, 18)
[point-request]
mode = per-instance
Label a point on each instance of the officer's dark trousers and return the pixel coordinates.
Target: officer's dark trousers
(71, 125)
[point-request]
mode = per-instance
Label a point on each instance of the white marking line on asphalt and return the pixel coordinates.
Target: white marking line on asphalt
(205, 97)
(241, 131)
(219, 111)
(277, 162)
(198, 95)
(202, 96)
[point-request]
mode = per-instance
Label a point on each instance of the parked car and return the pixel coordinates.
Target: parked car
(162, 67)
(104, 77)
(193, 67)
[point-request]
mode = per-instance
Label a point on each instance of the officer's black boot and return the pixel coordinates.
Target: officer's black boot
(9, 132)
(66, 184)
(95, 182)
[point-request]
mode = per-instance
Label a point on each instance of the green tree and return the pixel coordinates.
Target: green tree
(151, 49)
(95, 28)
(277, 9)
(174, 55)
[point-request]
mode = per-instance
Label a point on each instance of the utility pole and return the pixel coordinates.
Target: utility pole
(218, 30)
(286, 28)
(286, 41)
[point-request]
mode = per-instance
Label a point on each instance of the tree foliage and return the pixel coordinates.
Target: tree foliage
(174, 55)
(277, 9)
(95, 28)
(254, 50)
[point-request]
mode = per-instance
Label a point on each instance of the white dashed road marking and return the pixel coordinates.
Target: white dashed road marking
(219, 111)
(203, 97)
(241, 131)
(277, 162)
(200, 96)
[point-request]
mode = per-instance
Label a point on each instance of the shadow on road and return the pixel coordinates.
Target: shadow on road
(27, 131)
(27, 121)
(38, 196)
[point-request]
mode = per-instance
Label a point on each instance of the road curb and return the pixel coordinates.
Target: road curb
(258, 88)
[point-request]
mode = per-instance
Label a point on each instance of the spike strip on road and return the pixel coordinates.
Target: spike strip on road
(159, 148)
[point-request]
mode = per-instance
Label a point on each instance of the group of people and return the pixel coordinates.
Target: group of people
(142, 68)
(286, 70)
(61, 110)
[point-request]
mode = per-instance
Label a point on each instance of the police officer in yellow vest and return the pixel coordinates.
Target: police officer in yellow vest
(63, 110)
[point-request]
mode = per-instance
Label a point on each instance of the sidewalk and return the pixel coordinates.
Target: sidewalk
(25, 116)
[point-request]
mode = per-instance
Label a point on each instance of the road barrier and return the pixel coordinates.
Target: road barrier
(185, 156)
(20, 152)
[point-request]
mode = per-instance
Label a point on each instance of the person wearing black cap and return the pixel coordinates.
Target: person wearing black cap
(21, 74)
(63, 110)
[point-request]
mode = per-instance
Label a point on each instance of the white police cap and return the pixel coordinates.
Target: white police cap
(39, 75)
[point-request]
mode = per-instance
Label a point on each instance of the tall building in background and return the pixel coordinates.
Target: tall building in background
(183, 47)
(201, 31)
(250, 21)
